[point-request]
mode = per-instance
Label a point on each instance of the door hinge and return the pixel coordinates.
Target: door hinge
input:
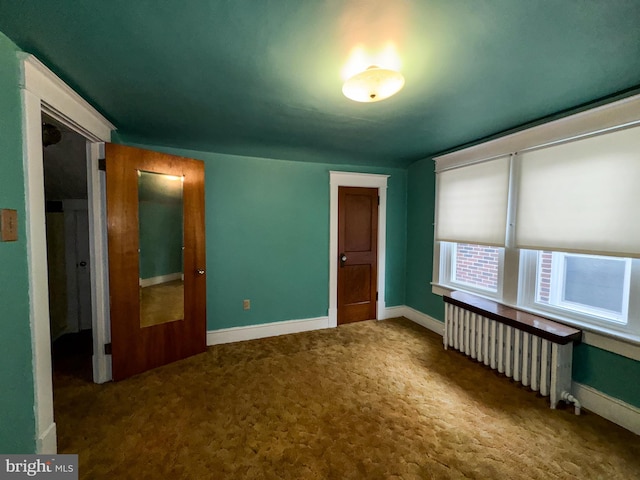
(376, 295)
(107, 348)
(102, 164)
(378, 199)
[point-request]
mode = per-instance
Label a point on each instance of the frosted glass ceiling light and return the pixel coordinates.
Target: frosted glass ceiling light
(373, 85)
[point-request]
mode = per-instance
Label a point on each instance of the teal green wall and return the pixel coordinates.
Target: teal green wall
(17, 422)
(612, 374)
(420, 210)
(267, 228)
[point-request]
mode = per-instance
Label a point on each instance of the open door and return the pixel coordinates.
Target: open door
(156, 237)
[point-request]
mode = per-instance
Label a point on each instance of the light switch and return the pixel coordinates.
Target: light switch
(8, 225)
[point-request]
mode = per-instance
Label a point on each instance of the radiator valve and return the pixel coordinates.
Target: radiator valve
(567, 397)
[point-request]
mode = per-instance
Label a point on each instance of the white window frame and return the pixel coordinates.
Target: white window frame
(558, 284)
(577, 314)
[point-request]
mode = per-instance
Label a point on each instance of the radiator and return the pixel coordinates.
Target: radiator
(542, 365)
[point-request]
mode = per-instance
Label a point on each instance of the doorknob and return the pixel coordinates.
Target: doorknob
(200, 271)
(343, 259)
(83, 263)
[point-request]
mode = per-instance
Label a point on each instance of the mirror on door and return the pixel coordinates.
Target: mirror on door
(160, 221)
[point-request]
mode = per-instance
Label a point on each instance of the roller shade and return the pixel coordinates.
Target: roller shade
(582, 196)
(472, 203)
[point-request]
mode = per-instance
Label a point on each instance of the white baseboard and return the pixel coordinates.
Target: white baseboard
(170, 277)
(252, 332)
(393, 312)
(415, 316)
(613, 409)
(47, 443)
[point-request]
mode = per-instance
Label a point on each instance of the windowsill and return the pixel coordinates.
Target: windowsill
(537, 325)
(610, 340)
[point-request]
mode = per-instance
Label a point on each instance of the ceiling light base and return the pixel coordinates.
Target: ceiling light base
(373, 85)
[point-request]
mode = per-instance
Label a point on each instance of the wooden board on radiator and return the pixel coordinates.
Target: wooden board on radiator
(527, 322)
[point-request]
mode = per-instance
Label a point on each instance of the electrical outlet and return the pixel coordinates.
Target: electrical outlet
(246, 304)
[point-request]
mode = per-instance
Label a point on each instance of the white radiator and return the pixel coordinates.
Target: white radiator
(540, 364)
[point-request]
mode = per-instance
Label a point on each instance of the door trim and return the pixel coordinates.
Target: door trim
(43, 91)
(353, 179)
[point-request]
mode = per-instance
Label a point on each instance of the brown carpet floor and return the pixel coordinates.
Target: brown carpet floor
(373, 400)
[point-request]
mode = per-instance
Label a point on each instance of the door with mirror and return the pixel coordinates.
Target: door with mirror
(157, 281)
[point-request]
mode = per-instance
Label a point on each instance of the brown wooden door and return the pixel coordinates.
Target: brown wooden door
(137, 348)
(357, 254)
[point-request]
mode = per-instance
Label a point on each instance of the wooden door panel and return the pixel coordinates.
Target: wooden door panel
(358, 277)
(358, 222)
(357, 312)
(358, 245)
(135, 348)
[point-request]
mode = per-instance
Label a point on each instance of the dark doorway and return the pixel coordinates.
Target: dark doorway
(68, 260)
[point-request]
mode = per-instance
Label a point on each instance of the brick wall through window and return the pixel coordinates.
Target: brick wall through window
(477, 265)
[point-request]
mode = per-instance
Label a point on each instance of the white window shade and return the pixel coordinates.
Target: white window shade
(472, 203)
(582, 196)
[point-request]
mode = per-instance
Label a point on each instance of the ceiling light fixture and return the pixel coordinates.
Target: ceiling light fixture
(373, 85)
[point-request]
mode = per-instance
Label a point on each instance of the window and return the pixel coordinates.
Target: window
(588, 284)
(472, 267)
(561, 217)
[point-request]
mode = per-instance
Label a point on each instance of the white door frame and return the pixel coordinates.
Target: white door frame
(354, 179)
(42, 91)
